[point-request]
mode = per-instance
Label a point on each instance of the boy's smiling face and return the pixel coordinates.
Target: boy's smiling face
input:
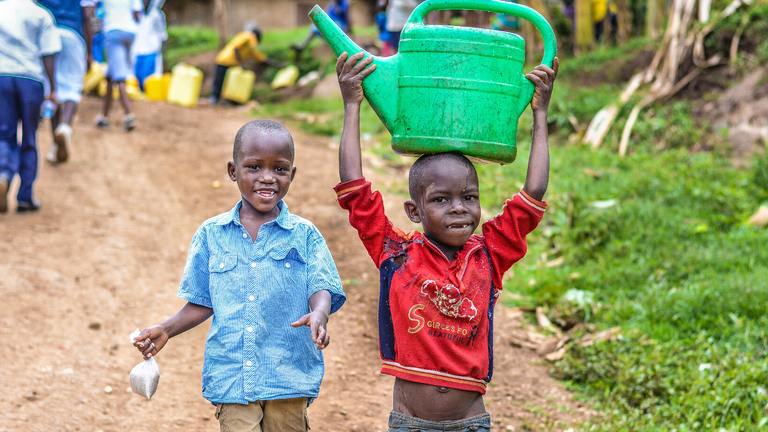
(263, 168)
(446, 201)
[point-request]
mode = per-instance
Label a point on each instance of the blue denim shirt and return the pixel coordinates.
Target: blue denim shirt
(257, 288)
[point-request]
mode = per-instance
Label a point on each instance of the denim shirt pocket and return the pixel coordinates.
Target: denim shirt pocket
(289, 265)
(222, 268)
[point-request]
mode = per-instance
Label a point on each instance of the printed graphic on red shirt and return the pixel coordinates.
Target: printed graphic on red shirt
(449, 300)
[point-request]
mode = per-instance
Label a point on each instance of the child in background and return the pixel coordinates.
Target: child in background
(243, 47)
(27, 36)
(73, 20)
(121, 19)
(259, 270)
(150, 38)
(338, 10)
(439, 287)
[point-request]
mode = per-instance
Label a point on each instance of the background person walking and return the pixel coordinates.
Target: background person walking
(73, 21)
(121, 18)
(148, 46)
(27, 33)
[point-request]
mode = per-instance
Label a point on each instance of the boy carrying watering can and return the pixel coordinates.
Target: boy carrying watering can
(439, 287)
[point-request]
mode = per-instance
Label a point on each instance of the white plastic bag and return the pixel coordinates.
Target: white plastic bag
(145, 375)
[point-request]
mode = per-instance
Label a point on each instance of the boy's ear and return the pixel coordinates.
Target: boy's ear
(293, 173)
(231, 171)
(412, 211)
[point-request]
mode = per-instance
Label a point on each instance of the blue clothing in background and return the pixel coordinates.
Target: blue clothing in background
(338, 10)
(381, 24)
(20, 101)
(339, 13)
(98, 47)
(257, 288)
(68, 13)
(145, 66)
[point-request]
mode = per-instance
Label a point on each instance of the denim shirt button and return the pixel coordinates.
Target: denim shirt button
(287, 265)
(221, 265)
(249, 363)
(253, 264)
(251, 298)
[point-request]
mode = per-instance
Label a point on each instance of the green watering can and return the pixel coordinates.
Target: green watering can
(450, 88)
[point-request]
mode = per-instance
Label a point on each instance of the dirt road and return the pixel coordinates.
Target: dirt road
(105, 254)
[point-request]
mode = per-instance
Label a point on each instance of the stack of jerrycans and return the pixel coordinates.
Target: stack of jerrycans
(184, 88)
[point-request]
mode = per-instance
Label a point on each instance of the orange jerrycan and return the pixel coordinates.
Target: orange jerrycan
(238, 85)
(185, 85)
(156, 87)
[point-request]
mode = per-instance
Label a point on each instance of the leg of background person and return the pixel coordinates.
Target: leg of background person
(9, 141)
(31, 100)
(124, 100)
(395, 40)
(107, 100)
(218, 82)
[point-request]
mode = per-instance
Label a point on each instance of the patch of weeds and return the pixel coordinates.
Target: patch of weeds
(320, 116)
(185, 41)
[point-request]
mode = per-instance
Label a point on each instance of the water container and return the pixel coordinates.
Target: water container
(238, 85)
(131, 87)
(185, 85)
(285, 77)
(94, 77)
(451, 88)
(156, 87)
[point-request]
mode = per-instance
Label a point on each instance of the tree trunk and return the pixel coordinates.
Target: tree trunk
(221, 19)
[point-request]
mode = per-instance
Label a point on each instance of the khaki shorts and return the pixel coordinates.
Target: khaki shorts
(281, 415)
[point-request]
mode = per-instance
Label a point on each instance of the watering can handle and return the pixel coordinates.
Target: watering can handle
(497, 6)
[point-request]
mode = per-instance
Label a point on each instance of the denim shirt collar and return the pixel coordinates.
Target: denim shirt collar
(283, 220)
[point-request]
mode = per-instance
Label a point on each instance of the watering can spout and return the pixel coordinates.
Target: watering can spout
(380, 85)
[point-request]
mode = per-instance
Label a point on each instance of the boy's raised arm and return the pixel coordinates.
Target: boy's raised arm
(351, 72)
(537, 178)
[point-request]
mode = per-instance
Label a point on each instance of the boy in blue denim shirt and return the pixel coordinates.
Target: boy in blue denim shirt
(269, 281)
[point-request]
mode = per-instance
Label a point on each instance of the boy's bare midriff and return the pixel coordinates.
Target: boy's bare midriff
(434, 403)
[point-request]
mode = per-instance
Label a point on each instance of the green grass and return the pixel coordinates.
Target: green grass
(320, 116)
(185, 41)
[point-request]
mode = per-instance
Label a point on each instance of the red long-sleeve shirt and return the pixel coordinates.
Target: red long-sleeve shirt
(436, 315)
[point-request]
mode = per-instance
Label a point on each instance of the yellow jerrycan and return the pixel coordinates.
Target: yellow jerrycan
(185, 85)
(156, 87)
(238, 85)
(94, 77)
(131, 87)
(285, 77)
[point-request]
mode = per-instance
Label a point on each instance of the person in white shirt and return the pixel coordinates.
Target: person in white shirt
(27, 35)
(150, 38)
(121, 21)
(73, 20)
(398, 12)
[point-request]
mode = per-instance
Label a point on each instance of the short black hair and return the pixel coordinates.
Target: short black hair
(263, 126)
(257, 32)
(416, 173)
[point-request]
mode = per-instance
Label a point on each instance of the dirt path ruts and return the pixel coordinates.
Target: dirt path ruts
(105, 254)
